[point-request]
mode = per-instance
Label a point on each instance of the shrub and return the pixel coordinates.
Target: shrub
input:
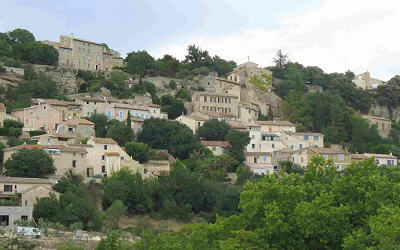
(36, 133)
(15, 132)
(2, 69)
(8, 123)
(3, 131)
(172, 84)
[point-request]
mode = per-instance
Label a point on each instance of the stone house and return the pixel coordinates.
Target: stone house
(299, 140)
(277, 127)
(39, 117)
(208, 103)
(340, 157)
(136, 124)
(260, 163)
(64, 157)
(248, 112)
(10, 214)
(92, 105)
(70, 110)
(365, 81)
(77, 128)
(85, 55)
(25, 189)
(156, 168)
(217, 147)
(53, 139)
(106, 156)
(383, 125)
(384, 159)
(193, 122)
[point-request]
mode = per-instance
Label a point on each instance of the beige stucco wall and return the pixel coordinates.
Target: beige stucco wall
(191, 123)
(218, 103)
(217, 150)
(38, 116)
(28, 199)
(294, 141)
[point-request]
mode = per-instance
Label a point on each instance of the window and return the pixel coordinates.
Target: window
(253, 146)
(255, 159)
(109, 115)
(103, 169)
(205, 99)
(24, 217)
(103, 157)
(390, 162)
(121, 114)
(74, 163)
(341, 157)
(86, 131)
(214, 148)
(326, 157)
(8, 188)
(273, 145)
(339, 167)
(105, 147)
(300, 146)
(316, 137)
(306, 137)
(264, 158)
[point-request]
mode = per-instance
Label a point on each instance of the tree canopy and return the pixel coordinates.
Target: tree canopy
(29, 163)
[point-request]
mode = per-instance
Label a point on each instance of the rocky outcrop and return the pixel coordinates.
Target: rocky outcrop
(383, 111)
(65, 78)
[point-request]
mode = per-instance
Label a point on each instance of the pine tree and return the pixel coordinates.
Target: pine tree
(128, 119)
(270, 115)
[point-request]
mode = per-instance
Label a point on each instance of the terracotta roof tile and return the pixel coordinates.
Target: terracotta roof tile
(104, 140)
(276, 123)
(223, 144)
(6, 179)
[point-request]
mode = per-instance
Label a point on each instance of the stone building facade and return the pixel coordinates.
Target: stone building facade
(85, 55)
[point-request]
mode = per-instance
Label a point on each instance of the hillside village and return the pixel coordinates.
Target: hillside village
(228, 128)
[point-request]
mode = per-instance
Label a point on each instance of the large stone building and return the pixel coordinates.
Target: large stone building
(383, 125)
(85, 55)
(365, 81)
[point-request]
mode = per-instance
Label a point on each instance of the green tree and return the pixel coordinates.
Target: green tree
(68, 180)
(168, 66)
(47, 208)
(113, 241)
(270, 115)
(128, 120)
(114, 214)
(223, 67)
(213, 130)
(140, 63)
(29, 163)
(101, 124)
(178, 139)
(197, 57)
(120, 132)
(238, 140)
(138, 151)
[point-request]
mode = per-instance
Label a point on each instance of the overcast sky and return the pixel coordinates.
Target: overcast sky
(335, 35)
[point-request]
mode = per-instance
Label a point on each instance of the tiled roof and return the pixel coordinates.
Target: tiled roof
(236, 125)
(90, 99)
(223, 144)
(64, 148)
(131, 106)
(376, 118)
(380, 156)
(78, 121)
(275, 123)
(196, 118)
(2, 107)
(104, 140)
(6, 179)
(53, 102)
(259, 165)
(154, 105)
(215, 94)
(23, 146)
(358, 157)
(304, 133)
(328, 150)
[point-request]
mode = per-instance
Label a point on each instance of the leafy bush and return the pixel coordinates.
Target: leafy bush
(36, 133)
(172, 84)
(8, 123)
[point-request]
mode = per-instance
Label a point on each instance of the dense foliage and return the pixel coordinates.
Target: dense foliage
(29, 163)
(321, 210)
(178, 139)
(21, 44)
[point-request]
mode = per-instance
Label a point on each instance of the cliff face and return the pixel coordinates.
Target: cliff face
(65, 78)
(384, 112)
